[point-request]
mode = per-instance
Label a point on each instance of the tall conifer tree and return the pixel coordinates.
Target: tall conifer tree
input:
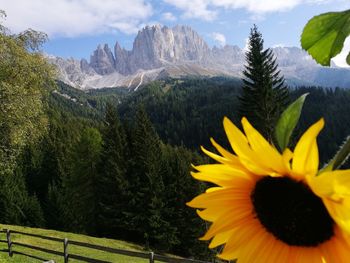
(146, 183)
(264, 93)
(112, 181)
(81, 186)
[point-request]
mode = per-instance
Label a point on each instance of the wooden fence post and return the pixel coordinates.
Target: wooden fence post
(9, 242)
(151, 257)
(65, 250)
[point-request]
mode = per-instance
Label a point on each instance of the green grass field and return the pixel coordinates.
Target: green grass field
(57, 246)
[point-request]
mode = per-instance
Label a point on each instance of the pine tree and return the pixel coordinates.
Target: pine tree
(16, 205)
(264, 93)
(112, 182)
(146, 184)
(81, 195)
(184, 223)
(56, 161)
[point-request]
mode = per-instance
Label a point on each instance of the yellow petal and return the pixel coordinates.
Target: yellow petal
(222, 175)
(253, 249)
(224, 152)
(250, 159)
(227, 222)
(223, 169)
(342, 183)
(332, 184)
(220, 238)
(216, 157)
(237, 139)
(336, 249)
(269, 252)
(238, 239)
(287, 157)
(305, 160)
(221, 198)
(340, 212)
(268, 154)
(211, 214)
(212, 189)
(308, 255)
(334, 189)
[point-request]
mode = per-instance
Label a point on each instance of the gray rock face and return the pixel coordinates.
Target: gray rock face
(293, 56)
(121, 59)
(102, 60)
(228, 55)
(69, 70)
(189, 46)
(153, 47)
(179, 51)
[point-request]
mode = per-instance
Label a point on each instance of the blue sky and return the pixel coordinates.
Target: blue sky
(76, 27)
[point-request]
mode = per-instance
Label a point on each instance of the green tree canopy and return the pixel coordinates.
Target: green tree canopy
(82, 183)
(264, 93)
(112, 179)
(24, 74)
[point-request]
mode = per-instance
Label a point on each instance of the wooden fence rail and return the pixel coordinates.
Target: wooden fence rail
(151, 256)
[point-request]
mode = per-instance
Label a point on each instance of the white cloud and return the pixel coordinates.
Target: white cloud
(258, 6)
(219, 38)
(194, 8)
(278, 45)
(257, 17)
(168, 16)
(246, 45)
(76, 17)
(208, 9)
(340, 59)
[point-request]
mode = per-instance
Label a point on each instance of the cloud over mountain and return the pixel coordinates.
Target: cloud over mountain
(161, 52)
(209, 9)
(73, 18)
(219, 38)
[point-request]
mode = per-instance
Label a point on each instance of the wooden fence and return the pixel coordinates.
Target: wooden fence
(152, 257)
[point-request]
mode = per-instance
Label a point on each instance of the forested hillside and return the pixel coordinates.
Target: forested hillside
(188, 112)
(106, 178)
(126, 174)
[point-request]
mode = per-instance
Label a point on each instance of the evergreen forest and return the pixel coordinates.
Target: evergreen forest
(116, 164)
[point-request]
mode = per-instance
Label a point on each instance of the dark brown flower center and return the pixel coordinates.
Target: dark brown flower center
(291, 211)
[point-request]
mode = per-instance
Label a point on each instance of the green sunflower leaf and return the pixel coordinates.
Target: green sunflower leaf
(324, 35)
(340, 157)
(287, 122)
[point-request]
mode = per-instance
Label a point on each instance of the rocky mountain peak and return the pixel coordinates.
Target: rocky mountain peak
(292, 56)
(121, 57)
(102, 60)
(160, 51)
(153, 47)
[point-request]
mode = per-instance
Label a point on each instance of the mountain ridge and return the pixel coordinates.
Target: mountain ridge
(161, 51)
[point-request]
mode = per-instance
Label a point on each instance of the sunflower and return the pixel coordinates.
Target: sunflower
(272, 207)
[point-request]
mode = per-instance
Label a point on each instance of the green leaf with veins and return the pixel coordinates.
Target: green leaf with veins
(324, 35)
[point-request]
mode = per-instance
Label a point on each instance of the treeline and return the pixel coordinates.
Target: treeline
(187, 112)
(126, 175)
(191, 111)
(111, 179)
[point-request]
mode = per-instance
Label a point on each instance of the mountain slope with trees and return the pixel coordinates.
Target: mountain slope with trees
(115, 163)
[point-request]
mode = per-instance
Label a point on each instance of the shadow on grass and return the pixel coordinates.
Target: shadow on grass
(24, 254)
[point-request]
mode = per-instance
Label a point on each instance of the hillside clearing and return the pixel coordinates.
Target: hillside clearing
(4, 257)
